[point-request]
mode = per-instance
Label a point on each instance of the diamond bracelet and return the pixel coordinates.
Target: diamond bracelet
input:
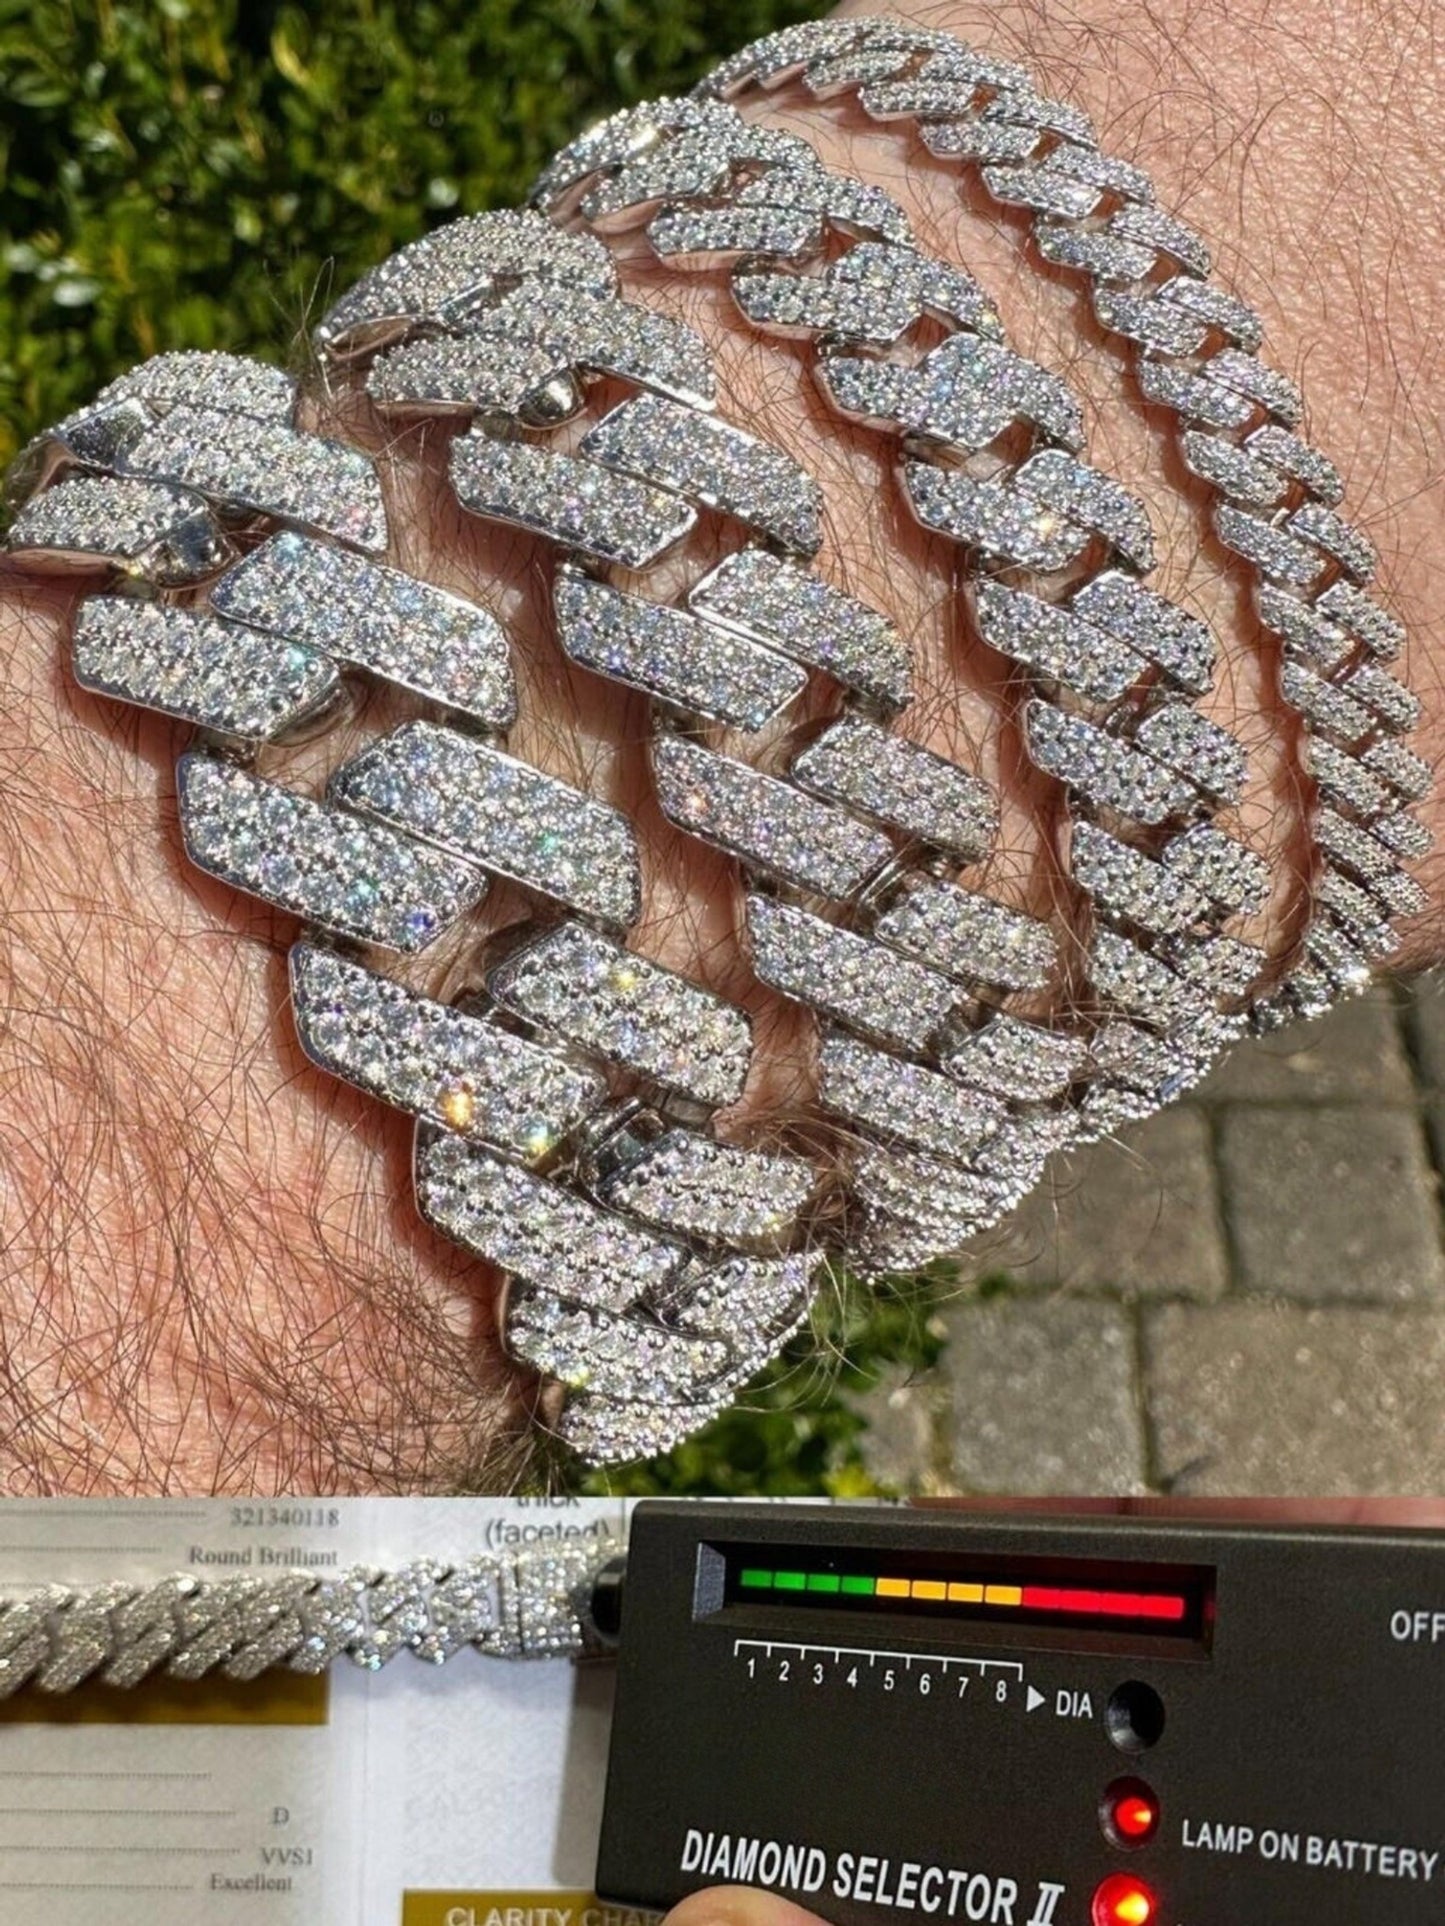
(655, 1334)
(1196, 351)
(564, 1107)
(1117, 666)
(654, 1268)
(536, 1605)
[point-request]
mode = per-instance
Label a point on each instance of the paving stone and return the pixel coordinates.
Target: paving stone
(1425, 1021)
(1252, 1399)
(1140, 1214)
(1331, 1202)
(1044, 1396)
(1354, 1053)
(899, 1447)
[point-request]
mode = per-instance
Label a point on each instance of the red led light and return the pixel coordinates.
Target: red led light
(1052, 1598)
(1129, 1812)
(1123, 1900)
(1135, 1816)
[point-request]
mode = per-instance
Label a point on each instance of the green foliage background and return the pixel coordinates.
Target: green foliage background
(208, 174)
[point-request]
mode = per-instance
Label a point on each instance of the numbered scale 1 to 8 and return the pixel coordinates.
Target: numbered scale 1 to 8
(946, 1678)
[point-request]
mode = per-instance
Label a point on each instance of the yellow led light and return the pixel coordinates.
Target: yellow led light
(965, 1594)
(1003, 1595)
(929, 1588)
(891, 1588)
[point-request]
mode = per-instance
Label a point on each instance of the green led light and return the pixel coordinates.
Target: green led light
(858, 1587)
(756, 1581)
(790, 1581)
(822, 1581)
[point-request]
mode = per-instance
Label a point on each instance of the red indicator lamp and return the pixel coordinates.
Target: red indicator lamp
(1170, 1607)
(1130, 1812)
(1123, 1900)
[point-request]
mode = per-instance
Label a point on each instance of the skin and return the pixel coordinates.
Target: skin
(212, 1274)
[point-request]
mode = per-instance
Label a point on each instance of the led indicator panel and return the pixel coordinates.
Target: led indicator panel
(1167, 1601)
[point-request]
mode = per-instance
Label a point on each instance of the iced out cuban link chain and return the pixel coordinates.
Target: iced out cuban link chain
(537, 1605)
(654, 1266)
(733, 653)
(654, 1269)
(1116, 664)
(1197, 353)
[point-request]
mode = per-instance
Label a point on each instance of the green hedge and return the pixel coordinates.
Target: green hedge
(202, 174)
(205, 174)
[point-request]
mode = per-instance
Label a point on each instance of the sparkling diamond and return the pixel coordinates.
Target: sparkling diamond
(608, 516)
(473, 374)
(443, 278)
(147, 529)
(894, 781)
(1127, 883)
(1055, 643)
(863, 985)
(212, 673)
(772, 827)
(1107, 773)
(694, 1187)
(377, 619)
(656, 440)
(536, 1230)
(969, 936)
(964, 394)
(240, 461)
(786, 607)
(466, 796)
(1192, 746)
(358, 879)
(893, 1099)
(436, 1061)
(612, 1357)
(606, 999)
(693, 664)
(1007, 1057)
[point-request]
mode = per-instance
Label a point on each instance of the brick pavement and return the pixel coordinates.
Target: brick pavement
(1244, 1295)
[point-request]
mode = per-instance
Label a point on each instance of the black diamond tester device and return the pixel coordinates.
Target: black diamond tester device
(917, 1718)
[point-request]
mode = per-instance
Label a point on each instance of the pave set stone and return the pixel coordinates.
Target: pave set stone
(710, 461)
(896, 782)
(437, 1061)
(354, 878)
(969, 936)
(605, 999)
(694, 1187)
(776, 602)
(540, 1231)
(466, 796)
(267, 467)
(150, 530)
(1238, 424)
(774, 828)
(189, 665)
(691, 664)
(439, 281)
(374, 618)
(607, 516)
(861, 984)
(642, 1247)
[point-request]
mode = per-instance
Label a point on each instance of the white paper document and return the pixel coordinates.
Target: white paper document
(468, 1794)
